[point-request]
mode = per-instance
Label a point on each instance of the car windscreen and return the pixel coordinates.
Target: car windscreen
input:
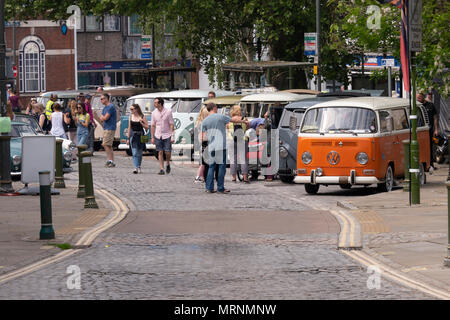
(287, 114)
(339, 120)
(18, 130)
(187, 105)
(30, 121)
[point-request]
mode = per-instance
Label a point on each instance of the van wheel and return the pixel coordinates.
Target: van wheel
(286, 179)
(312, 188)
(388, 183)
(422, 175)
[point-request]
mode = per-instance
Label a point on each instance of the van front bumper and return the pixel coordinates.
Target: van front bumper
(352, 179)
(124, 146)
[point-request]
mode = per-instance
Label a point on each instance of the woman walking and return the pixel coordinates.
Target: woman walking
(237, 144)
(57, 119)
(136, 125)
(72, 115)
(83, 121)
(200, 177)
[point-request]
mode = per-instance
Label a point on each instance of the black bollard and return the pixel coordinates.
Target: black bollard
(47, 231)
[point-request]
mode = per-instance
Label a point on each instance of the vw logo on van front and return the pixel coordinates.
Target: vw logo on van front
(333, 158)
(176, 123)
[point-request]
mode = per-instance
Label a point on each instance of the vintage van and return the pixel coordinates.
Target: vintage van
(288, 130)
(357, 141)
(256, 105)
(146, 103)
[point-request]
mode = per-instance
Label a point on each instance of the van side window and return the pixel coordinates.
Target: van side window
(400, 119)
(384, 115)
(420, 120)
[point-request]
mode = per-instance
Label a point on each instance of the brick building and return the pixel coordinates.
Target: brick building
(109, 53)
(43, 55)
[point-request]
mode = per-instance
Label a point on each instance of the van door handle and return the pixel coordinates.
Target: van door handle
(396, 142)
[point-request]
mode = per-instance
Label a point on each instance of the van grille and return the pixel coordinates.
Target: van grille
(321, 143)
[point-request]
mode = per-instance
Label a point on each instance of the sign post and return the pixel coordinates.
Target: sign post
(146, 47)
(415, 44)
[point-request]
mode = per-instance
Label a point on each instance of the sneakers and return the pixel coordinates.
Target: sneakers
(135, 171)
(168, 169)
(161, 172)
(109, 164)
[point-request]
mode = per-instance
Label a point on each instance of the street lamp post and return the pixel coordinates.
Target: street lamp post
(5, 164)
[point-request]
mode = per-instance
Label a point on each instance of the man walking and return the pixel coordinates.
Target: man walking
(434, 122)
(162, 131)
(109, 120)
(213, 127)
(49, 106)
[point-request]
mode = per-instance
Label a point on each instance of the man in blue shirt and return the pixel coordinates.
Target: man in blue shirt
(109, 121)
(214, 129)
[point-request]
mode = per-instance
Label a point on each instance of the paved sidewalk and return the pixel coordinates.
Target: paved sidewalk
(20, 224)
(411, 239)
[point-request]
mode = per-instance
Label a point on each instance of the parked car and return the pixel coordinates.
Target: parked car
(118, 97)
(358, 141)
(288, 130)
(19, 130)
(28, 119)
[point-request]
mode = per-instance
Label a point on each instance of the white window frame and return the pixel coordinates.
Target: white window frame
(40, 64)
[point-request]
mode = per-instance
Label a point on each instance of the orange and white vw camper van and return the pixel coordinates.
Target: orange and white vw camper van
(358, 141)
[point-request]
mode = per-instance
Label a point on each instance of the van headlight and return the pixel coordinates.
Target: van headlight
(16, 160)
(306, 157)
(362, 158)
(283, 152)
(68, 156)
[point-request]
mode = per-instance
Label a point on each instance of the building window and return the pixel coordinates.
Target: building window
(31, 65)
(111, 23)
(93, 23)
(134, 29)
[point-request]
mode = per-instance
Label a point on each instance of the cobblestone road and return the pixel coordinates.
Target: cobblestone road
(138, 265)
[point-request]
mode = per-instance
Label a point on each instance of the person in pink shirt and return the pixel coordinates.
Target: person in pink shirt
(162, 131)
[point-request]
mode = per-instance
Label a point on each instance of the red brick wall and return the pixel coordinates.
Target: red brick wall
(59, 71)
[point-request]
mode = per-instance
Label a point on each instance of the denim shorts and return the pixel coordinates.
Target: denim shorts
(163, 145)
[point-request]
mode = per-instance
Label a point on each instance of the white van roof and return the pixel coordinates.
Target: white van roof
(275, 97)
(375, 103)
(194, 93)
(148, 95)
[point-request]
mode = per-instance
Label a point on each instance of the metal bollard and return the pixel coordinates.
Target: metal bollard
(47, 231)
(447, 258)
(81, 184)
(59, 179)
(407, 180)
(89, 184)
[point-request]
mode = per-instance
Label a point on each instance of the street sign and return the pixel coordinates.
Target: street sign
(310, 44)
(14, 71)
(146, 47)
(388, 62)
(415, 24)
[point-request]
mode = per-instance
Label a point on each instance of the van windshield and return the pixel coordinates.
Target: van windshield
(287, 114)
(339, 120)
(146, 104)
(187, 106)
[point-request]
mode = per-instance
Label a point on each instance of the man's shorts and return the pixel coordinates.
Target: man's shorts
(163, 145)
(108, 137)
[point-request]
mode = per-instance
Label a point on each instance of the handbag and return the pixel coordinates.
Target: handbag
(145, 138)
